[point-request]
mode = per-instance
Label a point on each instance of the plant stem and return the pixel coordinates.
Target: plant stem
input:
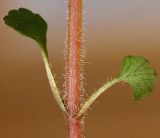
(73, 66)
(96, 94)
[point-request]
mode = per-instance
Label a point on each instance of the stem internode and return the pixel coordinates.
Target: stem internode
(73, 66)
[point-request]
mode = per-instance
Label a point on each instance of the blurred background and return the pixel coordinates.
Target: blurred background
(112, 30)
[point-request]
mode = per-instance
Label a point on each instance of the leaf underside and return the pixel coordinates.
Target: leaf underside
(138, 72)
(29, 24)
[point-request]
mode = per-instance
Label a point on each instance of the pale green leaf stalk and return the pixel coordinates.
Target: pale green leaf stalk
(96, 94)
(52, 82)
(34, 26)
(137, 72)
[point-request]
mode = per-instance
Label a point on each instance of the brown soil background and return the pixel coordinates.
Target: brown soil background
(113, 29)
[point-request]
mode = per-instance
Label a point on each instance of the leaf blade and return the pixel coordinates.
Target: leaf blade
(140, 75)
(29, 24)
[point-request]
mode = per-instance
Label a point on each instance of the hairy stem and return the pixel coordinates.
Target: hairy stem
(96, 94)
(73, 66)
(52, 82)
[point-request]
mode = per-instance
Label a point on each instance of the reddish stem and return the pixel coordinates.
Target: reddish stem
(74, 40)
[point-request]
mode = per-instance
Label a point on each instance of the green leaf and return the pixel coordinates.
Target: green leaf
(138, 72)
(28, 24)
